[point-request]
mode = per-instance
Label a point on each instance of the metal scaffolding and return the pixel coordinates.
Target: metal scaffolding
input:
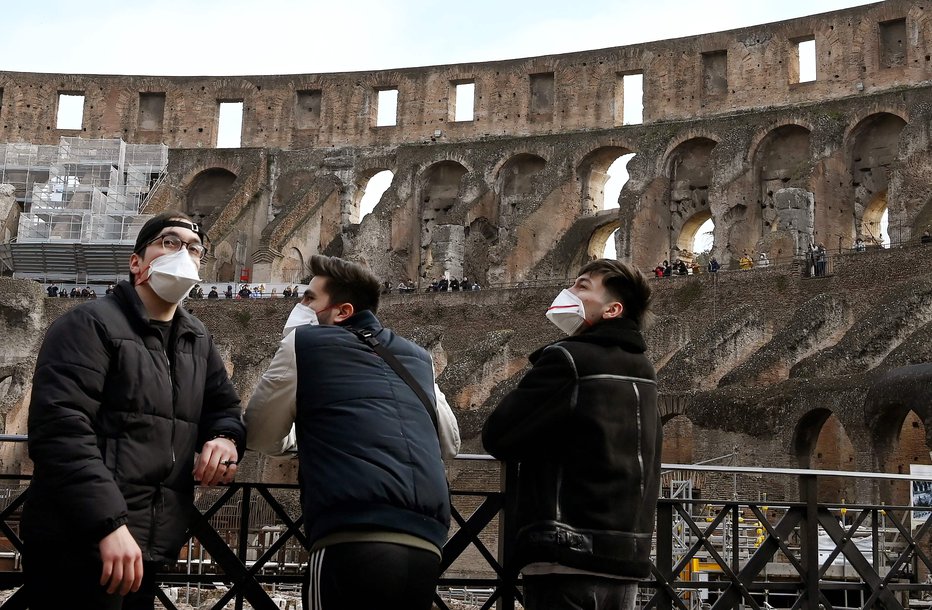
(81, 203)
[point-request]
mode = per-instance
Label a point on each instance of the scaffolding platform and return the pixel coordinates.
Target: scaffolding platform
(81, 205)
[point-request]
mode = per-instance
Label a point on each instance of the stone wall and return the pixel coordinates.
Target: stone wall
(517, 193)
(861, 50)
(764, 364)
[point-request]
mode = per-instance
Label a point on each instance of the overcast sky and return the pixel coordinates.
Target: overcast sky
(212, 37)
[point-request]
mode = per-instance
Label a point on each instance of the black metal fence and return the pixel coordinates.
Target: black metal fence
(247, 547)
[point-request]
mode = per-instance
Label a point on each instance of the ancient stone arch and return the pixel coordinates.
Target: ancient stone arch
(207, 192)
(872, 148)
(689, 168)
(224, 263)
(515, 184)
(781, 161)
(294, 267)
(592, 175)
(907, 447)
(678, 441)
(442, 240)
(601, 235)
(820, 442)
(360, 184)
(6, 382)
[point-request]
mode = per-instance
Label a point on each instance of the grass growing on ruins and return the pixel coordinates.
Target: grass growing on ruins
(688, 294)
(243, 317)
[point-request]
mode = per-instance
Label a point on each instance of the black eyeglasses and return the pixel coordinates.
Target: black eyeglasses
(173, 243)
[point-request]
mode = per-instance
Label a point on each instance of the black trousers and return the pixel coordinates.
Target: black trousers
(58, 578)
(578, 592)
(365, 575)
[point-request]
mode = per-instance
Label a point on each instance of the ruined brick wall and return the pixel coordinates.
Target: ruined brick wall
(743, 367)
(863, 49)
(516, 194)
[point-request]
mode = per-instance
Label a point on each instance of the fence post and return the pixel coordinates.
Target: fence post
(665, 552)
(809, 538)
(243, 541)
(506, 530)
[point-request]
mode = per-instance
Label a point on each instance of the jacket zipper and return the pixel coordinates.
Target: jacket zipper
(171, 381)
(153, 509)
(637, 396)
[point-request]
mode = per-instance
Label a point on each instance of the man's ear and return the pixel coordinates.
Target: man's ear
(615, 309)
(135, 264)
(344, 312)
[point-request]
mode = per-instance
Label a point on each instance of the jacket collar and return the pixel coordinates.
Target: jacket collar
(620, 332)
(135, 310)
(364, 320)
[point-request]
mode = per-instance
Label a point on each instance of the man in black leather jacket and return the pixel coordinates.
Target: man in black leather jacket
(584, 427)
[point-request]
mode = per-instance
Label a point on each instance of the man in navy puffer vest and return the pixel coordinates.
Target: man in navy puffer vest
(376, 505)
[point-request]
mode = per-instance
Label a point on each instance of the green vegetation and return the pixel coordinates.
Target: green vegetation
(243, 317)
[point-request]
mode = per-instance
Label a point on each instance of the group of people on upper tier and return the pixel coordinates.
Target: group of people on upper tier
(442, 284)
(132, 405)
(55, 291)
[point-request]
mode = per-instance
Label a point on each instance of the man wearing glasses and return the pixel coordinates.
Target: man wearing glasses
(131, 403)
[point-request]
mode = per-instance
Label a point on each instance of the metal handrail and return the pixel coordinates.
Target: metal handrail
(229, 518)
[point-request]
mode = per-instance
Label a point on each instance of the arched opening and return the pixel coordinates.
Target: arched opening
(5, 384)
(617, 178)
(370, 192)
(678, 445)
(224, 265)
(690, 169)
(516, 183)
(602, 242)
(594, 172)
(690, 233)
(293, 269)
(208, 191)
(783, 163)
(705, 238)
(875, 143)
(909, 449)
(610, 250)
(875, 229)
(442, 241)
(821, 443)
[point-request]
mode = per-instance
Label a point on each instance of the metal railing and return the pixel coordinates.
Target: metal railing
(247, 545)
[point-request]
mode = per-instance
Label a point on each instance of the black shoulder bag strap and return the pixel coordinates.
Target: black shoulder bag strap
(369, 339)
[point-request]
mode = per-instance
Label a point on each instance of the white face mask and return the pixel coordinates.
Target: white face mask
(567, 312)
(172, 276)
(300, 316)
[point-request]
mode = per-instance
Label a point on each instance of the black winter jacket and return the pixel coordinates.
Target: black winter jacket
(583, 425)
(369, 453)
(114, 423)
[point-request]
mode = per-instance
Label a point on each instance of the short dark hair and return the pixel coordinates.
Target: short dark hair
(625, 283)
(347, 282)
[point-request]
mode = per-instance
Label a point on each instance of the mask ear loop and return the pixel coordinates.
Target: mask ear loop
(143, 277)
